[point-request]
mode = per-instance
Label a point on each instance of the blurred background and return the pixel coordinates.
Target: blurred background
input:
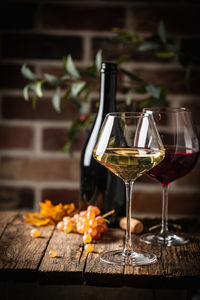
(39, 33)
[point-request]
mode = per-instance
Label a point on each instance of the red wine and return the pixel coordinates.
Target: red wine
(98, 185)
(177, 163)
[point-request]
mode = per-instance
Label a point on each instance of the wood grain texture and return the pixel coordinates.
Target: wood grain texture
(25, 258)
(140, 276)
(100, 273)
(67, 267)
(6, 218)
(20, 253)
(182, 264)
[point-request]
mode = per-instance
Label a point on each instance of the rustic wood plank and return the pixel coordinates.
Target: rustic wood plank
(100, 273)
(177, 266)
(68, 267)
(182, 265)
(20, 253)
(6, 217)
(149, 275)
(25, 258)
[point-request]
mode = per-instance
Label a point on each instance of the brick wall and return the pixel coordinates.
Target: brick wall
(40, 33)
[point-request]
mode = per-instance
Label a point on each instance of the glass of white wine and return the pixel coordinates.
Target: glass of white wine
(128, 145)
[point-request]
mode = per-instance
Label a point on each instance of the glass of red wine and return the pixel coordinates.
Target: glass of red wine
(180, 140)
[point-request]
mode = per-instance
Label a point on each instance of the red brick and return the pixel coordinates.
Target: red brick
(64, 196)
(11, 77)
(179, 203)
(82, 17)
(174, 79)
(18, 108)
(55, 139)
(17, 137)
(39, 169)
(40, 46)
(121, 105)
(19, 16)
(16, 198)
(178, 19)
(112, 49)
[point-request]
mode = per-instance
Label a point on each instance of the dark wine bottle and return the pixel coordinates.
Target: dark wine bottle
(98, 185)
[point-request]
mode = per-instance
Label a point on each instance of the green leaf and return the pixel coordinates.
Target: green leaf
(164, 53)
(56, 100)
(70, 68)
(25, 92)
(129, 97)
(64, 77)
(83, 110)
(162, 32)
(39, 89)
(53, 80)
(64, 61)
(98, 60)
(67, 147)
(77, 88)
(27, 73)
(151, 88)
(66, 95)
(34, 101)
(85, 98)
(149, 46)
(75, 100)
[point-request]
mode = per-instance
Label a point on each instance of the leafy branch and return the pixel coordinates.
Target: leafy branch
(76, 85)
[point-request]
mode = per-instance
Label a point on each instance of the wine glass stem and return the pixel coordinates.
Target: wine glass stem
(128, 243)
(164, 225)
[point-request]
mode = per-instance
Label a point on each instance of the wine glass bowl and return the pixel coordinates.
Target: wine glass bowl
(128, 145)
(181, 144)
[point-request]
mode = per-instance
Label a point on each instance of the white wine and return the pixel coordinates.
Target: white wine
(129, 163)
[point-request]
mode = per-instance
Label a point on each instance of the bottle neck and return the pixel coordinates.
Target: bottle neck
(107, 102)
(106, 105)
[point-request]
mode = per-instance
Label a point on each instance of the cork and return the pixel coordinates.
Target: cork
(136, 225)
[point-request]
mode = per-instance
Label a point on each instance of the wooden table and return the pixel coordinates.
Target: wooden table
(25, 259)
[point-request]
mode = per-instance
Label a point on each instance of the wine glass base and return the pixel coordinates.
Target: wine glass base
(168, 239)
(133, 259)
